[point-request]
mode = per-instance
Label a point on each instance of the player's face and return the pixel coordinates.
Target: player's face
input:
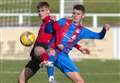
(43, 12)
(77, 15)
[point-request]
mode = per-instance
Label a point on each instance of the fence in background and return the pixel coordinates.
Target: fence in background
(94, 16)
(116, 31)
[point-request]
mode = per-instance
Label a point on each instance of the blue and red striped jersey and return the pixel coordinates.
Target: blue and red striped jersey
(74, 33)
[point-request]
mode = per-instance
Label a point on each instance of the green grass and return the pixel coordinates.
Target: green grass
(114, 21)
(93, 71)
(27, 6)
(102, 6)
(54, 5)
(92, 6)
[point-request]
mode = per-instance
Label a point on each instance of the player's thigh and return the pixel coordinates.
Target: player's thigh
(75, 77)
(38, 50)
(65, 64)
(68, 67)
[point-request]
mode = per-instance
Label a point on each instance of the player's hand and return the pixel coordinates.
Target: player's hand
(46, 64)
(85, 51)
(53, 18)
(60, 46)
(43, 64)
(107, 26)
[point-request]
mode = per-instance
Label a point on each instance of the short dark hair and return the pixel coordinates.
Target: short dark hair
(79, 7)
(42, 4)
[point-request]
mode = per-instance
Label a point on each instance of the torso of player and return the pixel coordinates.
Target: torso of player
(73, 35)
(70, 36)
(44, 36)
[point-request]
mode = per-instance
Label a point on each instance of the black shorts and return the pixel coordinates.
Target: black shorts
(34, 63)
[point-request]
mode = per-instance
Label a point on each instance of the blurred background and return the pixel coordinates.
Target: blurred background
(101, 66)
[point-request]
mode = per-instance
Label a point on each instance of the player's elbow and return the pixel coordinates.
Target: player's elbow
(101, 37)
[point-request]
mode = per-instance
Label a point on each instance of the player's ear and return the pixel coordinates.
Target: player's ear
(83, 15)
(48, 11)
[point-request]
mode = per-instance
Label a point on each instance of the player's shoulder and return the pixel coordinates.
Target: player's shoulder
(66, 19)
(62, 21)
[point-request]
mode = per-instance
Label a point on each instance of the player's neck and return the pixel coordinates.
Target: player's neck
(77, 23)
(46, 19)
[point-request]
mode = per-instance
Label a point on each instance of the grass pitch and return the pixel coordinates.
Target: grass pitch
(93, 71)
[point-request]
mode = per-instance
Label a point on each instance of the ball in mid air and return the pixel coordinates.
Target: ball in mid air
(27, 38)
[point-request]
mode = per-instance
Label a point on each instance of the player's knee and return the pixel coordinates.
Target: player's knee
(75, 77)
(79, 81)
(25, 75)
(21, 79)
(39, 50)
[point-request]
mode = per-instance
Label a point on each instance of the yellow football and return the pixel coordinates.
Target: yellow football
(27, 38)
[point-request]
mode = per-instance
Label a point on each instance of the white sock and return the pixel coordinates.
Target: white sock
(51, 78)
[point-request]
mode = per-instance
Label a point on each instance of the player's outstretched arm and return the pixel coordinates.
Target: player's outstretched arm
(89, 34)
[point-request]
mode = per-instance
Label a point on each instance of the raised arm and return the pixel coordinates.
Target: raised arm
(88, 34)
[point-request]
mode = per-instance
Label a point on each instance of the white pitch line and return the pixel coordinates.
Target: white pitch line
(101, 73)
(8, 72)
(97, 73)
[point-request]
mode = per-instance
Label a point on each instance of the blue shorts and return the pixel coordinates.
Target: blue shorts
(65, 64)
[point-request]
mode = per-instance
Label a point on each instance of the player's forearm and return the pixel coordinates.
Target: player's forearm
(88, 34)
(77, 46)
(102, 33)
